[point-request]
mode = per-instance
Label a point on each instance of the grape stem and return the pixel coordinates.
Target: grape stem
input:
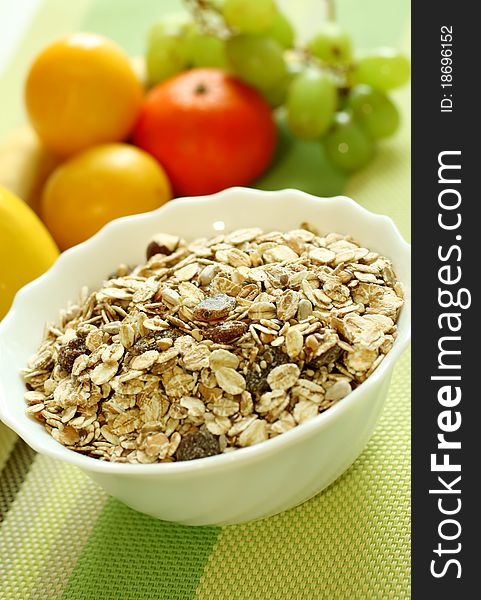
(208, 17)
(330, 10)
(305, 57)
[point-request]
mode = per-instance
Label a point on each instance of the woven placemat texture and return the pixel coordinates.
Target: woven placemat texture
(130, 555)
(350, 542)
(62, 538)
(46, 528)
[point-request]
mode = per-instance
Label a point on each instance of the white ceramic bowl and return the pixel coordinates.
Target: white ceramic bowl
(249, 483)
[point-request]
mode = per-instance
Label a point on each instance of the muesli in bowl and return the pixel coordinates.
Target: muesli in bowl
(214, 345)
(249, 482)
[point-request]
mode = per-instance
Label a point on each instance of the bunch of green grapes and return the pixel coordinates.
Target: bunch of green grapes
(326, 91)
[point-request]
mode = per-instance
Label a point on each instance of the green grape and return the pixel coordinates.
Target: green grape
(382, 69)
(331, 44)
(282, 31)
(374, 111)
(257, 60)
(208, 51)
(347, 145)
(249, 16)
(311, 102)
(276, 96)
(168, 50)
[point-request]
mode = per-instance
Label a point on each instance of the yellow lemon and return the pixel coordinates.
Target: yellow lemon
(26, 247)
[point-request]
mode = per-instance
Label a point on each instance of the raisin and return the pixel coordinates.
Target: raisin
(144, 345)
(198, 444)
(275, 357)
(147, 343)
(256, 382)
(163, 243)
(214, 308)
(70, 351)
(329, 356)
(225, 332)
(173, 334)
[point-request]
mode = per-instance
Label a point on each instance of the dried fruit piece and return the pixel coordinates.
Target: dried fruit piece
(256, 382)
(226, 332)
(198, 444)
(214, 308)
(70, 351)
(275, 356)
(327, 357)
(163, 243)
(154, 341)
